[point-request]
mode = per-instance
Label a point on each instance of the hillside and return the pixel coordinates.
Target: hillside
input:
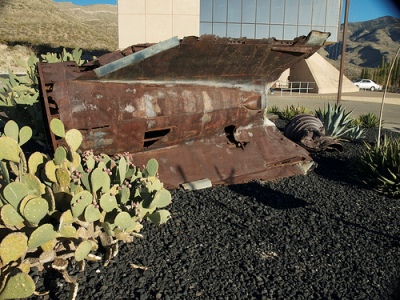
(38, 26)
(368, 43)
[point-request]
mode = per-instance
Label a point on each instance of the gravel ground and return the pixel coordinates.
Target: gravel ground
(318, 236)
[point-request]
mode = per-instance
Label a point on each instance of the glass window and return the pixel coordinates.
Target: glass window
(220, 9)
(277, 11)
(276, 31)
(334, 32)
(234, 30)
(303, 30)
(332, 14)
(262, 31)
(248, 30)
(319, 13)
(219, 29)
(235, 11)
(291, 12)
(263, 11)
(289, 32)
(305, 11)
(249, 11)
(206, 10)
(205, 28)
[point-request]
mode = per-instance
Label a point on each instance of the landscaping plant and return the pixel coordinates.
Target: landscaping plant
(291, 111)
(379, 166)
(54, 211)
(338, 123)
(369, 120)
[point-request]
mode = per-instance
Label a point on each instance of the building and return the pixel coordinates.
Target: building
(152, 21)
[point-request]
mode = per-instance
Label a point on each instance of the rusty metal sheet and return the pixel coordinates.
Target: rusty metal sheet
(211, 58)
(197, 107)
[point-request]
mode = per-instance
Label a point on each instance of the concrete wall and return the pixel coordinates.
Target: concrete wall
(317, 69)
(152, 21)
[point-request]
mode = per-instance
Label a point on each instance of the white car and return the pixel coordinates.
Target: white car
(367, 84)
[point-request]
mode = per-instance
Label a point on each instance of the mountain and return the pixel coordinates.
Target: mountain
(38, 26)
(368, 43)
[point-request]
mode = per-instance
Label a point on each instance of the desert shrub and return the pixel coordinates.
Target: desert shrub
(369, 120)
(273, 109)
(291, 111)
(379, 166)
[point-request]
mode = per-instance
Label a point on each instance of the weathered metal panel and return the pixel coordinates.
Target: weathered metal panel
(197, 107)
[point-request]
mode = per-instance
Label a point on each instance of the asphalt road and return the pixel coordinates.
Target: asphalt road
(360, 103)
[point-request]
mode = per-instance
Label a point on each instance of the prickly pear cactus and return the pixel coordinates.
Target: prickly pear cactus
(86, 198)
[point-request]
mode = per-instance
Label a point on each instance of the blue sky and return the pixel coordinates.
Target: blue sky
(360, 10)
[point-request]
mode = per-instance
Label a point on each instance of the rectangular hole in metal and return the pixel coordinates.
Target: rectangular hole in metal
(150, 137)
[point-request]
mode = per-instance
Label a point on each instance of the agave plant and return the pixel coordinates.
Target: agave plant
(338, 122)
(379, 167)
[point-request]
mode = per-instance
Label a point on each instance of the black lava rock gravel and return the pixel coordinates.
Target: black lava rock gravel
(318, 236)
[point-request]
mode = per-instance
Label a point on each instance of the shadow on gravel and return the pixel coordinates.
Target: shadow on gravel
(268, 196)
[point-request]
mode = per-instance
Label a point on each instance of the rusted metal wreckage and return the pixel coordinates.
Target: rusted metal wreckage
(196, 105)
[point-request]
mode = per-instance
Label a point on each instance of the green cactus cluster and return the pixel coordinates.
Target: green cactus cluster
(84, 198)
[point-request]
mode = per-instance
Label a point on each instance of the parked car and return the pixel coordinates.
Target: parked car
(367, 84)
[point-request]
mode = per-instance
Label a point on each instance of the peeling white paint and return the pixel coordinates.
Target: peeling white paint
(150, 112)
(99, 96)
(128, 90)
(129, 108)
(207, 102)
(205, 119)
(78, 107)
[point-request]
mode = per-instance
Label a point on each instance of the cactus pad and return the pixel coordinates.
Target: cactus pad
(152, 167)
(73, 137)
(41, 235)
(10, 217)
(159, 217)
(25, 135)
(57, 127)
(14, 193)
(11, 129)
(20, 285)
(123, 221)
(36, 160)
(108, 202)
(162, 198)
(63, 178)
(50, 171)
(35, 210)
(100, 179)
(59, 155)
(83, 250)
(92, 213)
(13, 246)
(79, 203)
(9, 149)
(33, 183)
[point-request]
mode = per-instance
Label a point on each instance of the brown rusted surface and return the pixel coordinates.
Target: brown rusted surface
(197, 107)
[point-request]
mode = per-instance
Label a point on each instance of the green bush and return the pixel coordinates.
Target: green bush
(273, 109)
(369, 120)
(291, 111)
(379, 167)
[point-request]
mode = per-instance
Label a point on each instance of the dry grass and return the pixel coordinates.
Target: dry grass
(27, 27)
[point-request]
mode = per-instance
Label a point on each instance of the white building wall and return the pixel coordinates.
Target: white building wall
(152, 21)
